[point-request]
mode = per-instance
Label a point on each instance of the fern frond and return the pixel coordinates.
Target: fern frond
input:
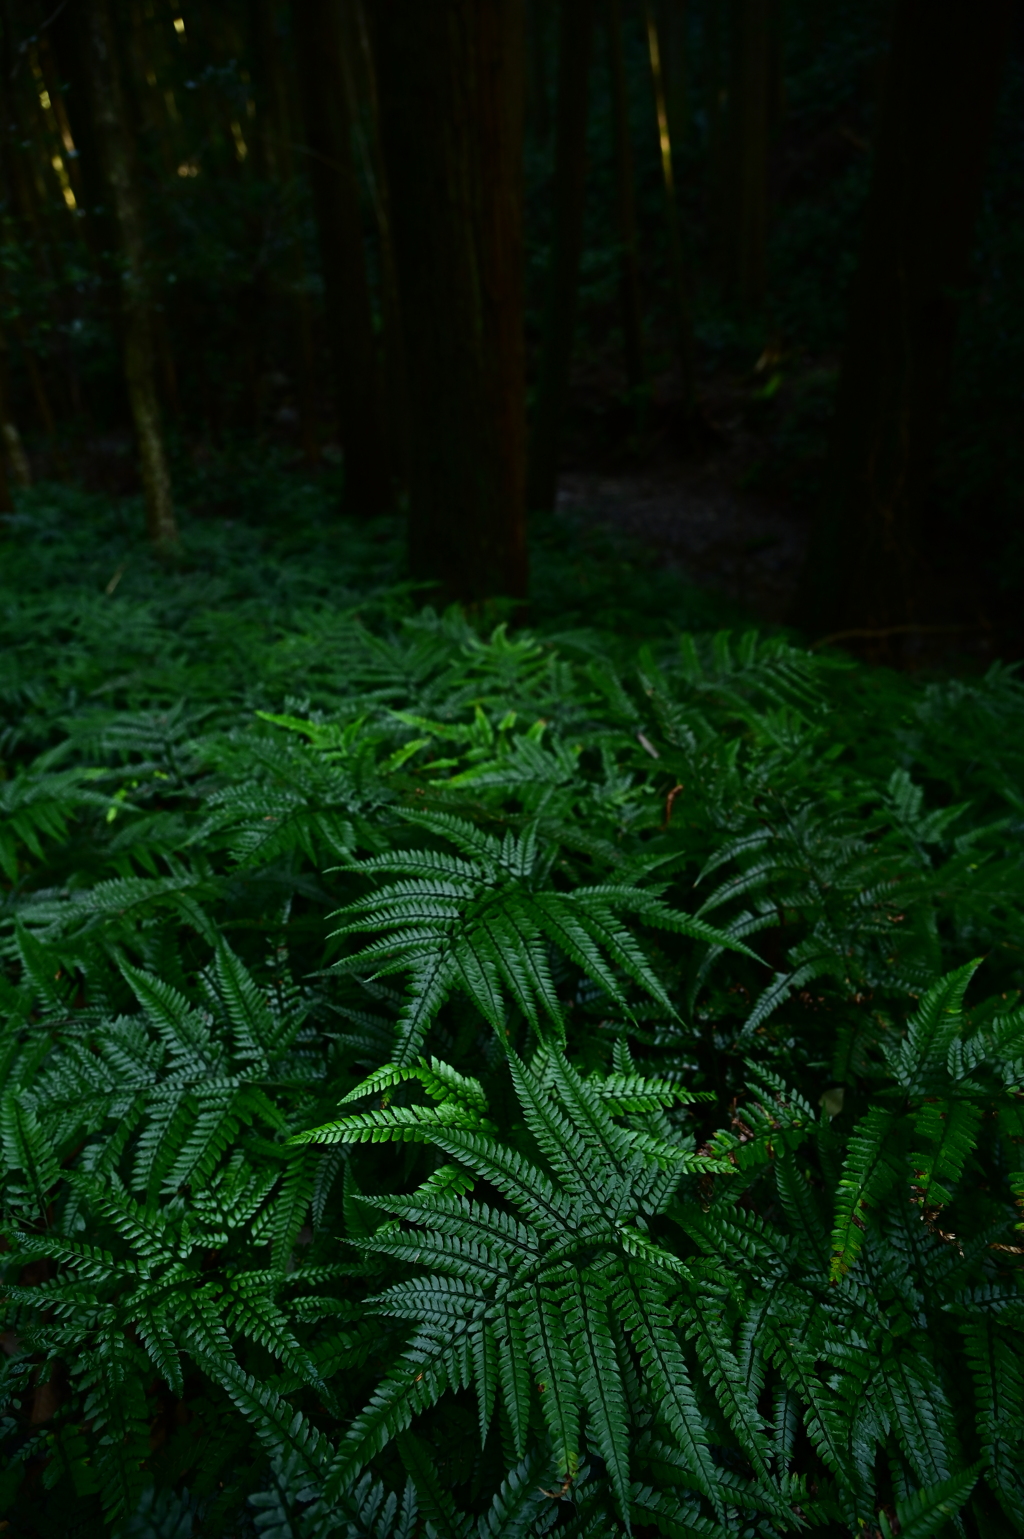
(434, 1501)
(544, 1331)
(726, 1379)
(923, 1417)
(926, 1512)
(869, 1173)
(646, 1316)
(932, 1029)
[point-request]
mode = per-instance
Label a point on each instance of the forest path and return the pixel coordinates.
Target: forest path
(694, 519)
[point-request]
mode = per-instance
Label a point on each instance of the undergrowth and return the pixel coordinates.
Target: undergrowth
(470, 1082)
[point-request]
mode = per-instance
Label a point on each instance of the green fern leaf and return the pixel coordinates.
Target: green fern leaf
(648, 1320)
(951, 1129)
(869, 1173)
(926, 1512)
(542, 1313)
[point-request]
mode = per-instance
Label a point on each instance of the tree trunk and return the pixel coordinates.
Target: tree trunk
(6, 505)
(629, 269)
(328, 115)
(276, 163)
(751, 112)
(140, 364)
(671, 16)
(678, 275)
(574, 46)
(361, 84)
(864, 565)
(451, 80)
(537, 72)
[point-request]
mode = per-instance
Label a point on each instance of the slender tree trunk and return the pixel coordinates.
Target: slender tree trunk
(69, 43)
(36, 381)
(864, 565)
(140, 361)
(716, 107)
(751, 113)
(276, 162)
(629, 268)
(14, 465)
(679, 276)
(575, 40)
(328, 115)
(6, 505)
(361, 84)
(537, 72)
(671, 16)
(451, 78)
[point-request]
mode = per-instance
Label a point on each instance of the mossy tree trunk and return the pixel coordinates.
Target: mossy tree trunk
(327, 111)
(451, 82)
(576, 31)
(121, 174)
(864, 567)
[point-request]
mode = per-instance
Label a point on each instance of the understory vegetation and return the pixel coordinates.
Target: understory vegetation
(470, 1081)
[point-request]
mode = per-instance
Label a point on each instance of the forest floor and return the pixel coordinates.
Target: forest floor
(718, 528)
(689, 505)
(694, 520)
(730, 515)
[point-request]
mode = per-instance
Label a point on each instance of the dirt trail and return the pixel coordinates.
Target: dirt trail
(697, 521)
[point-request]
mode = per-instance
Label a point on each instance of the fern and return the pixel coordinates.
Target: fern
(481, 921)
(641, 1151)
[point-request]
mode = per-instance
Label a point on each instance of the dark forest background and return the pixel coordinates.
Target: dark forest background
(688, 185)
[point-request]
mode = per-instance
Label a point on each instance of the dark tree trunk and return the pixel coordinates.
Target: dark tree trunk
(537, 72)
(346, 286)
(69, 47)
(751, 111)
(679, 277)
(274, 137)
(120, 171)
(13, 458)
(864, 565)
(671, 15)
(6, 504)
(576, 32)
(361, 84)
(629, 268)
(451, 80)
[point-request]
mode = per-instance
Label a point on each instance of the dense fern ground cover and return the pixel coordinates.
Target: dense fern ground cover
(470, 1082)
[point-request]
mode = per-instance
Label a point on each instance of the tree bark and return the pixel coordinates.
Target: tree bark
(276, 163)
(14, 465)
(629, 267)
(678, 275)
(6, 505)
(576, 30)
(328, 116)
(671, 15)
(361, 84)
(122, 179)
(451, 81)
(537, 73)
(751, 112)
(865, 560)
